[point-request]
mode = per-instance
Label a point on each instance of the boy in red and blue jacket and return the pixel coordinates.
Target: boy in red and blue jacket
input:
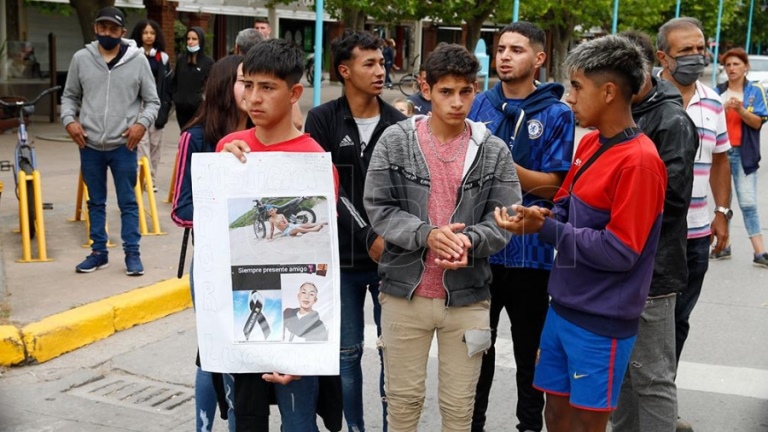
(605, 226)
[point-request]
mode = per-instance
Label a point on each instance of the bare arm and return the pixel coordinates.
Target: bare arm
(750, 119)
(541, 184)
(720, 182)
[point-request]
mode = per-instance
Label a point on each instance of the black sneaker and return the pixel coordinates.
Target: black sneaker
(761, 261)
(133, 264)
(722, 255)
(93, 262)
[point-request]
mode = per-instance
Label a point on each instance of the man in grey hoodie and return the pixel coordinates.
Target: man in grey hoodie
(111, 84)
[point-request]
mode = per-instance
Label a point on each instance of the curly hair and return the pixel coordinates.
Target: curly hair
(453, 60)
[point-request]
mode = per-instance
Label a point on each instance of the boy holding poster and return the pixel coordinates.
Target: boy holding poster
(431, 189)
(271, 74)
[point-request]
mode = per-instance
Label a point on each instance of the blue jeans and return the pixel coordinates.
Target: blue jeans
(122, 163)
(353, 288)
(206, 401)
(297, 402)
(698, 263)
(746, 193)
(205, 393)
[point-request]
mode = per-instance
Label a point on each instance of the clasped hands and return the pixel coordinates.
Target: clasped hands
(450, 245)
(526, 220)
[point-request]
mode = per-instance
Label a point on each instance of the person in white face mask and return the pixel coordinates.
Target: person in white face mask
(192, 68)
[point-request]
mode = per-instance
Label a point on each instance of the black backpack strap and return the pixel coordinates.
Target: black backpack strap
(616, 139)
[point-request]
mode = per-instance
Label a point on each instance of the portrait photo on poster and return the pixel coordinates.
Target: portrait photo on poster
(280, 229)
(307, 307)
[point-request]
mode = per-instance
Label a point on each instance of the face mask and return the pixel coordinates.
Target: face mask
(688, 69)
(193, 49)
(108, 42)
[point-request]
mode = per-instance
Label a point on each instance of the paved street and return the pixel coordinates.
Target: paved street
(723, 377)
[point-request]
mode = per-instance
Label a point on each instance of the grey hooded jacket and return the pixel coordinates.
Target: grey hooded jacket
(110, 101)
(396, 194)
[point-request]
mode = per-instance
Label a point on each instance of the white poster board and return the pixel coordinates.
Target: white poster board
(266, 266)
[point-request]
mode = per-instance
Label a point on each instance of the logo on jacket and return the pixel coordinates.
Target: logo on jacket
(346, 142)
(535, 128)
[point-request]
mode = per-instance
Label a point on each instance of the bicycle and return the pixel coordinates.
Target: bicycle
(409, 83)
(310, 69)
(293, 210)
(24, 154)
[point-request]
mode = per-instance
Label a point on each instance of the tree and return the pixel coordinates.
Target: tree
(86, 13)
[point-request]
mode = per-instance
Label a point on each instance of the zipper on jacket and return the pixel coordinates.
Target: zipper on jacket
(106, 110)
(455, 209)
(424, 254)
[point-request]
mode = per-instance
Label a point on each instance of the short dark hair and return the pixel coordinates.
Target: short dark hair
(642, 41)
(535, 35)
(278, 57)
(261, 20)
(342, 47)
(138, 31)
(610, 58)
(451, 60)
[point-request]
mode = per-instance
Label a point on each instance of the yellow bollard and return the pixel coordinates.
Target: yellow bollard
(37, 191)
(26, 247)
(173, 179)
(145, 178)
(80, 200)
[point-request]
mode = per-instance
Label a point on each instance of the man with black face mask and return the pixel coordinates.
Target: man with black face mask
(681, 47)
(112, 85)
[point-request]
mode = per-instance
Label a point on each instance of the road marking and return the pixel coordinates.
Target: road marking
(709, 378)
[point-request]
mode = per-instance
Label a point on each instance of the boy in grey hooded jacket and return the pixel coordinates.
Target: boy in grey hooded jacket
(110, 81)
(430, 193)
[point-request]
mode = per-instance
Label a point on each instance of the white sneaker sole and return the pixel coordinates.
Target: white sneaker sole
(91, 270)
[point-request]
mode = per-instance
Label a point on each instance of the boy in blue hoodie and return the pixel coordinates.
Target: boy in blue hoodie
(538, 129)
(110, 82)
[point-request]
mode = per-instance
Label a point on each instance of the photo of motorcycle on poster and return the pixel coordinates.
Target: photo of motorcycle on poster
(266, 263)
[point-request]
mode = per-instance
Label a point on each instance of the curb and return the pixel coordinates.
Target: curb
(55, 335)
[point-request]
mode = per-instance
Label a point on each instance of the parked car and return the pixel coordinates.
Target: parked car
(758, 70)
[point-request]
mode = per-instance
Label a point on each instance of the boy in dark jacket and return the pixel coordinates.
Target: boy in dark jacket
(349, 128)
(648, 398)
(432, 185)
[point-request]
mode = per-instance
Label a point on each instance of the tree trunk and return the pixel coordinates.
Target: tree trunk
(353, 18)
(12, 28)
(561, 39)
(86, 13)
(474, 25)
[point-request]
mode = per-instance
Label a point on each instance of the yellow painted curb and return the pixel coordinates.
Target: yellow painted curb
(11, 346)
(67, 331)
(63, 332)
(150, 303)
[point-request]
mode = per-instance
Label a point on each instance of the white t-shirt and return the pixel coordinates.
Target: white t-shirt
(706, 111)
(365, 127)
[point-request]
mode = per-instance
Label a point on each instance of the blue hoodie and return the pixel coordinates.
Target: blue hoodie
(545, 144)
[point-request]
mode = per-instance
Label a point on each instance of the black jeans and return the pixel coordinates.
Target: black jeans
(698, 263)
(523, 292)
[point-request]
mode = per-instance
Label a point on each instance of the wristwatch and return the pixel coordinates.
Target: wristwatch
(728, 213)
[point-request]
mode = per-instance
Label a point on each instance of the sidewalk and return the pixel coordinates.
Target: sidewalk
(46, 309)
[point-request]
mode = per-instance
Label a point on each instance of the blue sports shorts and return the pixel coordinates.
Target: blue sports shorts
(575, 362)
